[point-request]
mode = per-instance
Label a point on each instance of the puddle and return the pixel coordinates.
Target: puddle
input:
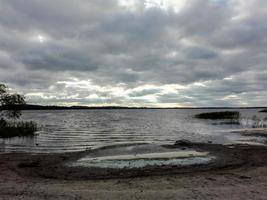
(165, 155)
(248, 136)
(250, 143)
(142, 156)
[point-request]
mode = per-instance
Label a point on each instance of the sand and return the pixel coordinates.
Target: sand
(240, 173)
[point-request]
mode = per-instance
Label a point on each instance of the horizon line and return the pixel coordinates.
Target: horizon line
(81, 107)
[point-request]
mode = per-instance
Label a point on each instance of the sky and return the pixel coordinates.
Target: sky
(158, 53)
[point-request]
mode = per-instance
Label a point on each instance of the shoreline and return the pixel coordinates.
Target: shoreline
(45, 177)
(54, 165)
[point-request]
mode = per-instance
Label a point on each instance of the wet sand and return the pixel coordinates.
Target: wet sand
(239, 172)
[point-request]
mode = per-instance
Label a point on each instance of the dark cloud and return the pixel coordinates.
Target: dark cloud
(196, 53)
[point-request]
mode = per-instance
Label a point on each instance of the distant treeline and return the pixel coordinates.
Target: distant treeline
(39, 107)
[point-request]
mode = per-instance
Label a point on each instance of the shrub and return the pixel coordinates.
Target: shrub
(219, 115)
(16, 129)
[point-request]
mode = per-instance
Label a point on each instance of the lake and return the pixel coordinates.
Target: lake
(78, 130)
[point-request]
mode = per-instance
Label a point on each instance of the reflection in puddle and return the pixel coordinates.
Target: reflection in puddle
(249, 143)
(249, 136)
(141, 156)
(140, 163)
(164, 155)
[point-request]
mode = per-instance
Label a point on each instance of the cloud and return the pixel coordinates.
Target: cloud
(124, 52)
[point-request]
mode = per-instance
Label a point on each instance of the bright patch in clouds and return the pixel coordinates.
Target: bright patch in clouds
(41, 38)
(175, 5)
(38, 38)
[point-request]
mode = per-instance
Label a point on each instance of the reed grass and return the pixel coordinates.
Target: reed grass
(233, 115)
(18, 129)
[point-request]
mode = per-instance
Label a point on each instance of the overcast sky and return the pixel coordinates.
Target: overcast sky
(135, 52)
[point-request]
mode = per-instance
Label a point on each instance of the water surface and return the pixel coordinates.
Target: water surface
(78, 130)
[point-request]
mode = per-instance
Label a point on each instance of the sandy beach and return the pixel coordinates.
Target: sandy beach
(239, 173)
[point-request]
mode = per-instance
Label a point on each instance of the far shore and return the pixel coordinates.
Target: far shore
(55, 107)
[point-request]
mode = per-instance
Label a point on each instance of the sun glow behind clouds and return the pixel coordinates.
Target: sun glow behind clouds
(41, 39)
(38, 38)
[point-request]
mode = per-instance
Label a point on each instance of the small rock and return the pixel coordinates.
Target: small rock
(183, 143)
(244, 177)
(211, 179)
(29, 165)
